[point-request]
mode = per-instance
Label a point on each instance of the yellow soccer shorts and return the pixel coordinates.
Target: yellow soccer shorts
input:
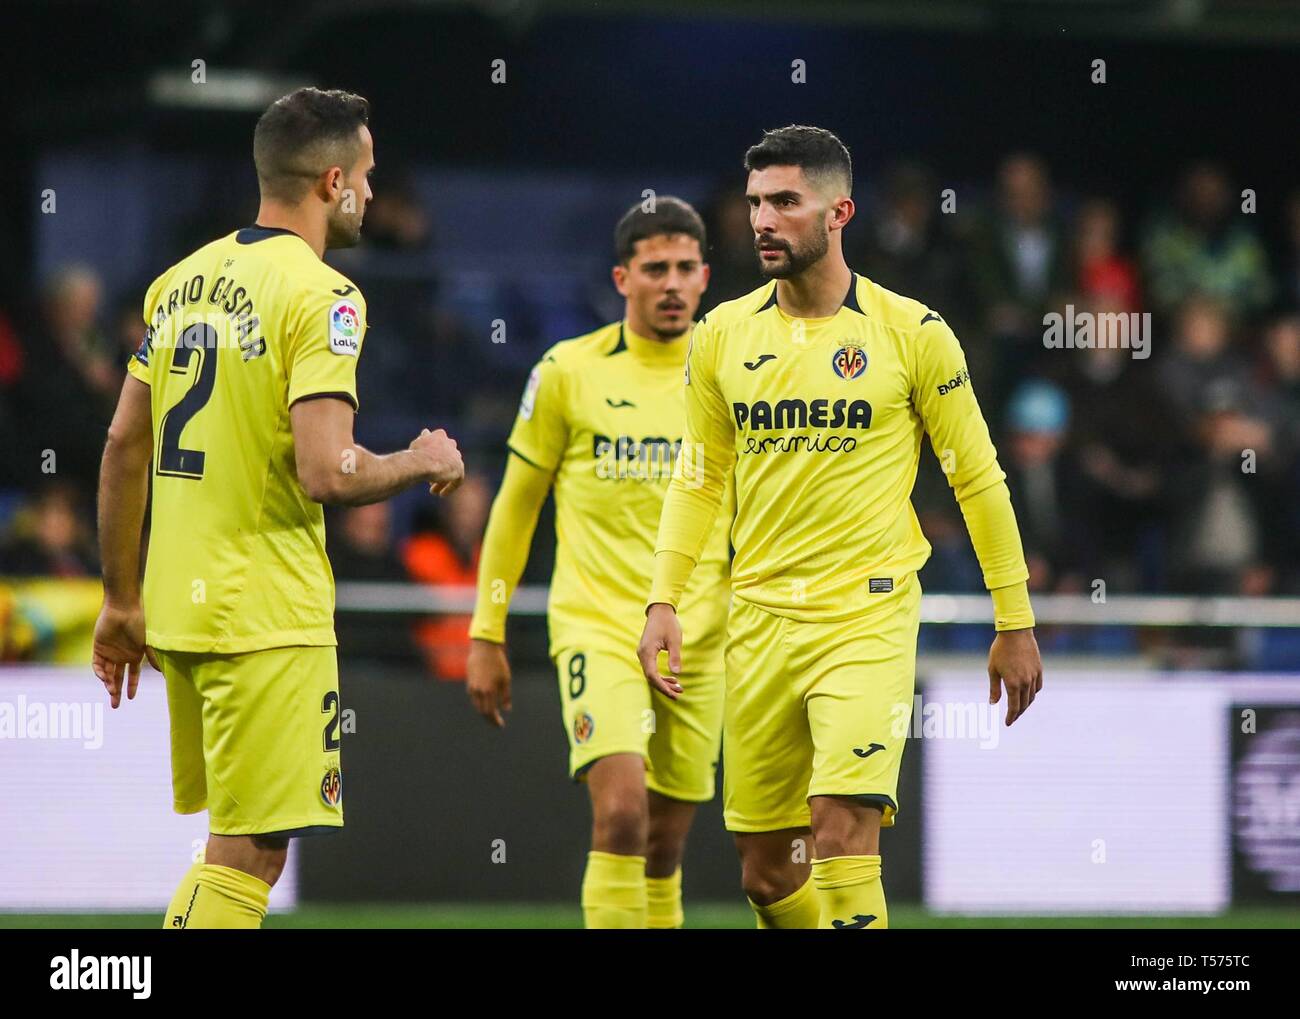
(255, 739)
(816, 709)
(609, 708)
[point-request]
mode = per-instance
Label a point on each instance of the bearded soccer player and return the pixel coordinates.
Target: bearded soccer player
(239, 404)
(812, 393)
(600, 423)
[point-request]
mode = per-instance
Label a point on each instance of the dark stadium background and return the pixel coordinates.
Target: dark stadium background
(497, 202)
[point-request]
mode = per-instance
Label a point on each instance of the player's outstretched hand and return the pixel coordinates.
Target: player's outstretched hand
(118, 647)
(662, 633)
(446, 468)
(487, 679)
(1014, 661)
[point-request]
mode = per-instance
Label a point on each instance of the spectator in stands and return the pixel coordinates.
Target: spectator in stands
(361, 548)
(11, 376)
(1043, 485)
(1204, 356)
(1204, 246)
(1020, 257)
(396, 219)
(51, 536)
(1227, 415)
(446, 554)
(904, 243)
(1019, 260)
(1279, 495)
(1128, 451)
(1103, 272)
(733, 262)
(1289, 257)
(71, 379)
(361, 545)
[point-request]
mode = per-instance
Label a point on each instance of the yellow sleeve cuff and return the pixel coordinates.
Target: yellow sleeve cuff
(671, 572)
(1011, 608)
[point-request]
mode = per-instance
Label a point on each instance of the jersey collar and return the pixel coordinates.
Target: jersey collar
(256, 232)
(850, 299)
(652, 351)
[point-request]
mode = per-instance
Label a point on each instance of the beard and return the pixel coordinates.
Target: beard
(343, 230)
(797, 259)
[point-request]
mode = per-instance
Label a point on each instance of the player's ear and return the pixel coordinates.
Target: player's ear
(619, 275)
(329, 185)
(844, 210)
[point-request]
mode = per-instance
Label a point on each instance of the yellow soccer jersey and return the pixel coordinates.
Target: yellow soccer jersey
(821, 422)
(236, 333)
(605, 412)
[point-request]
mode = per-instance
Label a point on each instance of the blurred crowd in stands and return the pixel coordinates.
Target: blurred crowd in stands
(1175, 472)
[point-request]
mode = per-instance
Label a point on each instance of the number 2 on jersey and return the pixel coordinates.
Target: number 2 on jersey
(173, 460)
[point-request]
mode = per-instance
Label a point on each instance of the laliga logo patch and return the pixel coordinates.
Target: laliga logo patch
(529, 401)
(331, 787)
(345, 328)
(583, 727)
(849, 362)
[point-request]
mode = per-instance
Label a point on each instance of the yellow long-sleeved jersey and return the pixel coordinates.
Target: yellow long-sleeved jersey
(601, 420)
(820, 420)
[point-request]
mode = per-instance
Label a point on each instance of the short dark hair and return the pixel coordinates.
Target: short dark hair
(302, 135)
(818, 152)
(669, 216)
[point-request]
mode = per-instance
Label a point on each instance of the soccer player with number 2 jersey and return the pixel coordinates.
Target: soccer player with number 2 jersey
(237, 411)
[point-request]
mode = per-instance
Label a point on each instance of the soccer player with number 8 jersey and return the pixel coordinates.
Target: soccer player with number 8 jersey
(600, 423)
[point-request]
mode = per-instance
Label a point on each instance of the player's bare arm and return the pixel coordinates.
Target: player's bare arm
(662, 632)
(1014, 662)
(334, 469)
(123, 495)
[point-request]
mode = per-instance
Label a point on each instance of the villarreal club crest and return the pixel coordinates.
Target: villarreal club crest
(849, 362)
(331, 787)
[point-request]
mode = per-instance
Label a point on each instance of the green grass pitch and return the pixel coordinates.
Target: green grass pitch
(698, 915)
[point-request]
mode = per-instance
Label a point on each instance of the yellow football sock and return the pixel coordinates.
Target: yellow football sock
(178, 910)
(225, 898)
(614, 891)
(851, 894)
(664, 901)
(797, 911)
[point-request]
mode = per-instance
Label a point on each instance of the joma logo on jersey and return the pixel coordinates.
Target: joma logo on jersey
(960, 379)
(801, 414)
(849, 362)
(648, 459)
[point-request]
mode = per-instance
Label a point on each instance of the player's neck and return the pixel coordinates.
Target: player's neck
(818, 291)
(286, 217)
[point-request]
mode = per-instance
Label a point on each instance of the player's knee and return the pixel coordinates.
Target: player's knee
(272, 854)
(262, 856)
(621, 826)
(766, 881)
(664, 850)
(843, 827)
